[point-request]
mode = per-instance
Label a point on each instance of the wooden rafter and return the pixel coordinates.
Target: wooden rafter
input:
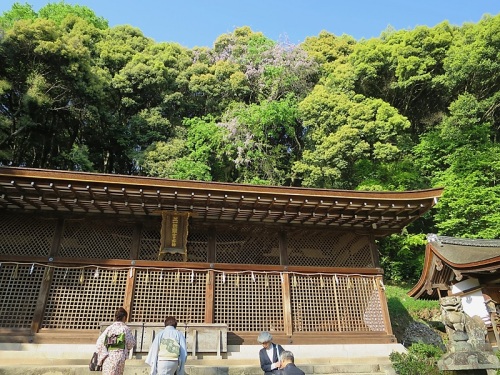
(135, 195)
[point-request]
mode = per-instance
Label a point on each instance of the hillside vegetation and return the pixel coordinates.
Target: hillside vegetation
(411, 109)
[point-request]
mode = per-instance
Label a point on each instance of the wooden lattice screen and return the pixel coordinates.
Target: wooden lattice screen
(336, 304)
(19, 289)
(320, 248)
(19, 238)
(247, 245)
(97, 238)
(162, 293)
(249, 302)
(83, 298)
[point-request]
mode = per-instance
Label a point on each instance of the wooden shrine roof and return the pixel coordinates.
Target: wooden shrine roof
(449, 259)
(82, 192)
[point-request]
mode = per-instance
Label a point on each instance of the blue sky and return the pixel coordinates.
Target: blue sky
(199, 22)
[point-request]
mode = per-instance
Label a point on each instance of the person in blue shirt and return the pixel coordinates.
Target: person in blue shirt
(168, 351)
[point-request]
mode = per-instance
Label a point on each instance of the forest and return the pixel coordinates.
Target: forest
(411, 109)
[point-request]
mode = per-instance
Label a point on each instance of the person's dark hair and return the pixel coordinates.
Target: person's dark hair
(170, 321)
(120, 314)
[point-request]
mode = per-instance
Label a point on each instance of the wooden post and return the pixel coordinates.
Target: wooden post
(283, 247)
(129, 292)
(42, 300)
(383, 304)
(337, 306)
(287, 305)
(43, 296)
(211, 245)
(285, 286)
(210, 284)
(209, 297)
(374, 251)
(136, 242)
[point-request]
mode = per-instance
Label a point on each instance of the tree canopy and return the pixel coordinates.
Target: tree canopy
(410, 109)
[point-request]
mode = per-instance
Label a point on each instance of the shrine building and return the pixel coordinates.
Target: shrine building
(301, 263)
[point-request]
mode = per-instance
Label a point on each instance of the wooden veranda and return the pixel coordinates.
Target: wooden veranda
(299, 262)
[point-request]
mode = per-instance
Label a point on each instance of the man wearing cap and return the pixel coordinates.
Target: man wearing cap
(288, 364)
(269, 354)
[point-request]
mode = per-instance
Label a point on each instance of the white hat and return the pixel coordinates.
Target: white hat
(264, 337)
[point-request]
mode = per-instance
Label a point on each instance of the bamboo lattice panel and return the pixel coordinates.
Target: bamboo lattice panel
(249, 304)
(159, 294)
(82, 298)
(26, 235)
(336, 304)
(247, 245)
(197, 244)
(96, 238)
(19, 289)
(324, 248)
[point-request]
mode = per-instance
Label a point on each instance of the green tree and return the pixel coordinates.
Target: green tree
(48, 80)
(470, 206)
(330, 51)
(344, 132)
(59, 11)
(405, 68)
(17, 12)
(263, 140)
(194, 153)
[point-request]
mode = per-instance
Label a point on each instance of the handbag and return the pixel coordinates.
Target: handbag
(94, 365)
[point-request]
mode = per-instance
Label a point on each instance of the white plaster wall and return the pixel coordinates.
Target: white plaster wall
(473, 302)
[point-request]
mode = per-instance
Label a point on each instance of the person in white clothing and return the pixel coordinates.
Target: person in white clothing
(168, 351)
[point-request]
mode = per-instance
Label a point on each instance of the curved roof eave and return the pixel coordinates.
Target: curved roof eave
(484, 258)
(380, 212)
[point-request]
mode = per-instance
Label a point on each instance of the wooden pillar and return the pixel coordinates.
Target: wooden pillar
(43, 295)
(136, 242)
(210, 284)
(211, 245)
(42, 300)
(283, 247)
(285, 286)
(135, 247)
(209, 297)
(129, 292)
(383, 304)
(374, 250)
(287, 305)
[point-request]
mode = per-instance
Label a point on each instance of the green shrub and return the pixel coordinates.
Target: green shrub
(419, 359)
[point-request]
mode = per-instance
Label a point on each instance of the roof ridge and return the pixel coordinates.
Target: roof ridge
(477, 242)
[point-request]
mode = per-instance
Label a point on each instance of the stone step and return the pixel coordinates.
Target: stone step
(224, 367)
(33, 359)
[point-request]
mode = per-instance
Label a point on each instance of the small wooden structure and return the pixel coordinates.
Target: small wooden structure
(301, 263)
(468, 268)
